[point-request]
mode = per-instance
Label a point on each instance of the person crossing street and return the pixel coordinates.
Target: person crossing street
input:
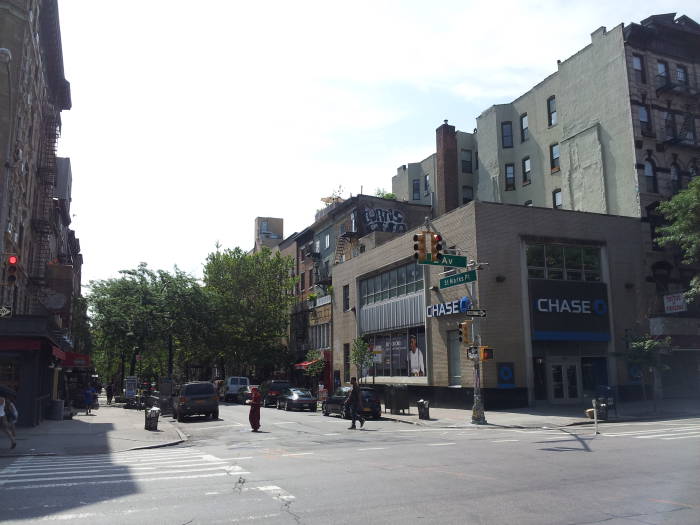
(354, 401)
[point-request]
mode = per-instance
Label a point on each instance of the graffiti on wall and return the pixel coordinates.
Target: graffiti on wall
(384, 220)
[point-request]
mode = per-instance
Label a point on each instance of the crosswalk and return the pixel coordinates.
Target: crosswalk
(669, 433)
(144, 466)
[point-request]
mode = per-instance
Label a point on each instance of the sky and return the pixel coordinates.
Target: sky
(190, 119)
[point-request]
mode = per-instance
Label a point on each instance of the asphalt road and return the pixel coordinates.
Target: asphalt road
(307, 468)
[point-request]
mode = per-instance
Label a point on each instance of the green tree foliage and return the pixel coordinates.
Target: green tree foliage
(360, 354)
(646, 352)
(318, 363)
(383, 194)
(250, 299)
(683, 214)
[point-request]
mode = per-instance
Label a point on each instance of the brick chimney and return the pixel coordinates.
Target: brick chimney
(446, 184)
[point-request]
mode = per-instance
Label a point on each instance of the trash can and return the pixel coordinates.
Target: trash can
(423, 409)
(151, 416)
(399, 398)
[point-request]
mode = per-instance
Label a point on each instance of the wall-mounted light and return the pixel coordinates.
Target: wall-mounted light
(500, 278)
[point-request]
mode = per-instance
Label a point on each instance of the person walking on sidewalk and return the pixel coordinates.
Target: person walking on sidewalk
(89, 395)
(4, 425)
(255, 402)
(354, 401)
(109, 390)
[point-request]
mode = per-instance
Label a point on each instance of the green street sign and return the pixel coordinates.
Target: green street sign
(460, 278)
(456, 261)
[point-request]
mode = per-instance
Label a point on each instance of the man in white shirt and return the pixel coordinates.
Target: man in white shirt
(415, 358)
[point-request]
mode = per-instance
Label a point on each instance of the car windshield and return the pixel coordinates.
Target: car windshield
(197, 389)
(301, 392)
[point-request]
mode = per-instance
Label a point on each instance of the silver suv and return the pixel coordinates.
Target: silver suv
(198, 397)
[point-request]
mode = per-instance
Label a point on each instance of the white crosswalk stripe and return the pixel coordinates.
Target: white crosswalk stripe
(126, 467)
(667, 433)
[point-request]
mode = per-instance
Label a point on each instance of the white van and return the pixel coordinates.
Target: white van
(232, 386)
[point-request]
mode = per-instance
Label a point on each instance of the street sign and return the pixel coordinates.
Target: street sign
(5, 311)
(460, 278)
(475, 313)
(456, 261)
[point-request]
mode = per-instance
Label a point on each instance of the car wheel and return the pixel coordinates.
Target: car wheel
(215, 414)
(286, 406)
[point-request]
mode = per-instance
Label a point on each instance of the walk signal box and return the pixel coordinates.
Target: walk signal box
(485, 353)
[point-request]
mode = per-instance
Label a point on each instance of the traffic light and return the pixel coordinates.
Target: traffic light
(11, 270)
(465, 328)
(419, 246)
(485, 353)
(435, 247)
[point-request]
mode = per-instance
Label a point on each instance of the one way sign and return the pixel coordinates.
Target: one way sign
(5, 311)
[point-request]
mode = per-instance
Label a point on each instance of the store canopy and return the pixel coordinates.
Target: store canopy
(305, 364)
(75, 360)
(58, 353)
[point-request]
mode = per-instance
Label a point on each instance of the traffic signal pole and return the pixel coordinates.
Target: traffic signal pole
(478, 414)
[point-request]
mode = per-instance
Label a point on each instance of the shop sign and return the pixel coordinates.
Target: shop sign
(675, 302)
(506, 375)
(569, 311)
(453, 307)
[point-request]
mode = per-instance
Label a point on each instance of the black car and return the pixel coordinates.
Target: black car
(299, 398)
(335, 404)
(198, 397)
(271, 389)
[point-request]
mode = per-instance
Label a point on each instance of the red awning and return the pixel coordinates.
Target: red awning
(76, 360)
(57, 352)
(305, 364)
(20, 344)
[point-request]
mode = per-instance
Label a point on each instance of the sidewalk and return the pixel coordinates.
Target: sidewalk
(109, 429)
(548, 416)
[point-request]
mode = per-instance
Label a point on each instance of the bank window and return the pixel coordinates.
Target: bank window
(510, 177)
(392, 283)
(466, 155)
(416, 189)
(638, 68)
(507, 134)
(524, 128)
(554, 157)
(401, 281)
(526, 171)
(552, 111)
(563, 262)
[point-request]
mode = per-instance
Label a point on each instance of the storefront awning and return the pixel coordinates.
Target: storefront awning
(305, 364)
(58, 353)
(75, 360)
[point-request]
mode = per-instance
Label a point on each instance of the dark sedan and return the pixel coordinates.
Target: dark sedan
(296, 398)
(271, 389)
(335, 404)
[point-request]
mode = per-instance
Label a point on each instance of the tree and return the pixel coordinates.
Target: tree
(361, 355)
(383, 194)
(646, 353)
(683, 230)
(317, 363)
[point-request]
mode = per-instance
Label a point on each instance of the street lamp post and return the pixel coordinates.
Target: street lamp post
(6, 58)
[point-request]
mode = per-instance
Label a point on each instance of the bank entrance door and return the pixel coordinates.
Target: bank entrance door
(564, 381)
(454, 363)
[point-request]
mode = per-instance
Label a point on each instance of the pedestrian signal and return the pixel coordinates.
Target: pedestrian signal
(11, 270)
(485, 353)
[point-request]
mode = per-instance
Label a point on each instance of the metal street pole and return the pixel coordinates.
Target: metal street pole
(478, 415)
(6, 58)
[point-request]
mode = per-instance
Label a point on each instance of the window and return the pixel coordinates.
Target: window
(526, 171)
(669, 119)
(638, 68)
(346, 362)
(556, 198)
(476, 160)
(416, 189)
(650, 176)
(682, 75)
(554, 157)
(510, 177)
(563, 262)
(645, 122)
(467, 194)
(346, 297)
(524, 129)
(317, 246)
(311, 279)
(507, 134)
(675, 177)
(264, 227)
(396, 282)
(327, 241)
(301, 280)
(466, 161)
(661, 74)
(551, 111)
(528, 203)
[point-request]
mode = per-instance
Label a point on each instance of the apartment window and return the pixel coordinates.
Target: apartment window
(264, 228)
(510, 177)
(507, 134)
(317, 246)
(669, 125)
(661, 73)
(416, 189)
(562, 262)
(681, 75)
(645, 122)
(526, 171)
(467, 194)
(327, 241)
(524, 128)
(638, 68)
(552, 111)
(675, 177)
(556, 198)
(346, 362)
(302, 275)
(346, 297)
(528, 203)
(466, 161)
(650, 177)
(311, 279)
(554, 157)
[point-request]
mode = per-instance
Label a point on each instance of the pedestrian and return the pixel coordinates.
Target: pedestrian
(354, 401)
(109, 390)
(89, 395)
(255, 403)
(4, 424)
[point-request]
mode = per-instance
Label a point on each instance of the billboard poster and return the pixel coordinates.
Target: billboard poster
(130, 385)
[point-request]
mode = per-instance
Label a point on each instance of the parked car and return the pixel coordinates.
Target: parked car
(232, 385)
(197, 397)
(335, 404)
(271, 389)
(244, 394)
(296, 398)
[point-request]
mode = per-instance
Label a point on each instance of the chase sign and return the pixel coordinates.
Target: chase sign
(569, 311)
(453, 307)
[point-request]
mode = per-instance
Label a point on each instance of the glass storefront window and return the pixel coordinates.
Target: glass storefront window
(573, 262)
(394, 354)
(555, 261)
(591, 264)
(560, 262)
(392, 283)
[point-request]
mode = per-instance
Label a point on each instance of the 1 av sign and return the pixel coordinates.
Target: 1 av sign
(456, 261)
(460, 278)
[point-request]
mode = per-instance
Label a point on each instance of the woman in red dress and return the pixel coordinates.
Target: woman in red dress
(255, 402)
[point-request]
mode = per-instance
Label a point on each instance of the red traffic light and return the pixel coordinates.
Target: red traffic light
(12, 259)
